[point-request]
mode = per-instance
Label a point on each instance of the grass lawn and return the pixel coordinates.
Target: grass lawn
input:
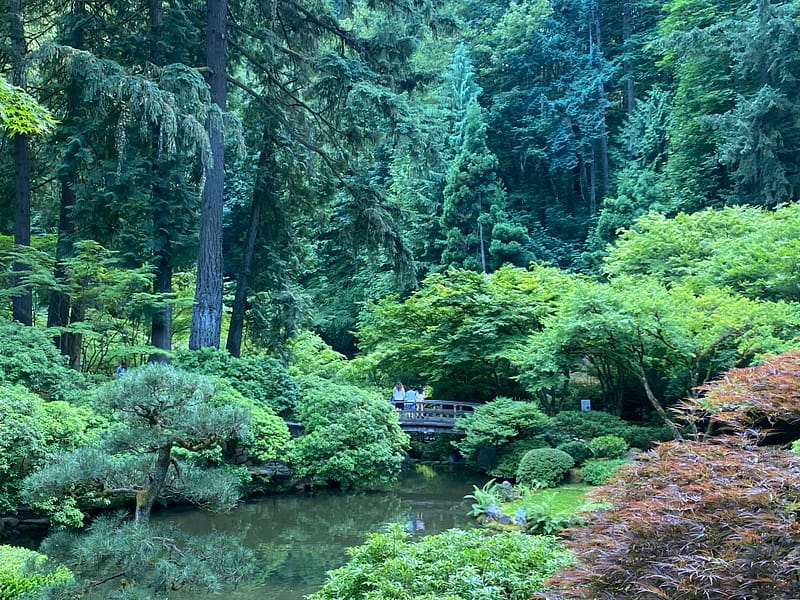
(566, 498)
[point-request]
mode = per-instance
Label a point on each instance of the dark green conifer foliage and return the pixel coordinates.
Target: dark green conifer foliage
(474, 198)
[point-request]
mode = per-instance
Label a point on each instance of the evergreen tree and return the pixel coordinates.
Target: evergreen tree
(474, 198)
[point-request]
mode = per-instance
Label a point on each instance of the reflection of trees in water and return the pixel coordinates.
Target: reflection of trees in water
(297, 538)
(316, 532)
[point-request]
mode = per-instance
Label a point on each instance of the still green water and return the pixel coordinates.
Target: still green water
(298, 537)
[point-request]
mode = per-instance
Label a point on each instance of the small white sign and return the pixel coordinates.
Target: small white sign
(586, 404)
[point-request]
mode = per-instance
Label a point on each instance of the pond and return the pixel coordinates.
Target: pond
(298, 537)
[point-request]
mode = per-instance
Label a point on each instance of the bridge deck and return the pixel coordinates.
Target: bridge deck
(432, 415)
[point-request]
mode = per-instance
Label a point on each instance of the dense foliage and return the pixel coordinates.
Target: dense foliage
(31, 431)
(156, 414)
(25, 573)
(116, 559)
(454, 565)
(706, 518)
(261, 379)
(352, 438)
(494, 426)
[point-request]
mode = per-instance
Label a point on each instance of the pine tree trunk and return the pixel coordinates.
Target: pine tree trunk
(260, 191)
(58, 313)
(22, 304)
(161, 330)
(207, 308)
(146, 498)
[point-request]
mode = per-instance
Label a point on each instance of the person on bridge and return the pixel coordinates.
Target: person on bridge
(411, 400)
(420, 401)
(398, 395)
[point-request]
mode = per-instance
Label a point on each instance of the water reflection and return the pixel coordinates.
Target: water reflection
(297, 538)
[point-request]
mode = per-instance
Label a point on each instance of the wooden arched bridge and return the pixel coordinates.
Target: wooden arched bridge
(428, 418)
(432, 416)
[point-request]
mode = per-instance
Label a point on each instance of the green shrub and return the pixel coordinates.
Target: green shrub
(599, 471)
(496, 424)
(24, 571)
(352, 437)
(642, 436)
(578, 450)
(454, 565)
(31, 429)
(608, 446)
(29, 358)
(570, 425)
(510, 455)
(260, 378)
(544, 467)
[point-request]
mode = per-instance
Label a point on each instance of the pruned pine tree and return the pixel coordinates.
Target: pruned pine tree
(162, 411)
(115, 559)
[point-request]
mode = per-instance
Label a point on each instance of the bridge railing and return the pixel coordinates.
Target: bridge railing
(434, 410)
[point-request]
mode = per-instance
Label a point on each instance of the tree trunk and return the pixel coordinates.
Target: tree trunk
(640, 374)
(627, 64)
(161, 326)
(483, 250)
(146, 498)
(161, 330)
(260, 191)
(21, 304)
(207, 307)
(602, 102)
(58, 313)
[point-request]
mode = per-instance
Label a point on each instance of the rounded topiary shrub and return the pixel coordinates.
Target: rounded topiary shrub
(578, 450)
(608, 446)
(544, 467)
(510, 455)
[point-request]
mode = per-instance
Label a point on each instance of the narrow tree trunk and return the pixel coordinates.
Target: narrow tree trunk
(207, 307)
(161, 330)
(602, 102)
(627, 65)
(483, 250)
(640, 374)
(161, 326)
(260, 191)
(58, 314)
(21, 304)
(146, 498)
